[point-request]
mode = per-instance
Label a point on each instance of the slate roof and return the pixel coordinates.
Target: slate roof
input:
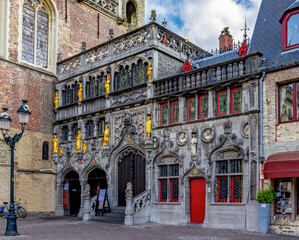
(221, 58)
(266, 36)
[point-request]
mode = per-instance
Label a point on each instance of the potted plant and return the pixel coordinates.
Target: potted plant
(265, 198)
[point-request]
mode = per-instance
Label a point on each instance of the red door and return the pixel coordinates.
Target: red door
(197, 200)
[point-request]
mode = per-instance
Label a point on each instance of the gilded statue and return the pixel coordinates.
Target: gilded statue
(106, 137)
(80, 90)
(148, 127)
(107, 84)
(84, 147)
(78, 141)
(55, 144)
(56, 100)
(60, 151)
(150, 71)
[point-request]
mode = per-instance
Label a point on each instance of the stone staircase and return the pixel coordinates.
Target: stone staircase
(116, 216)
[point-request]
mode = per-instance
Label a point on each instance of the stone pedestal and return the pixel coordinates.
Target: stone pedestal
(86, 216)
(59, 211)
(129, 221)
(106, 151)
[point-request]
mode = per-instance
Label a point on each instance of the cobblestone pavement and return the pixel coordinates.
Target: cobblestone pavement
(71, 228)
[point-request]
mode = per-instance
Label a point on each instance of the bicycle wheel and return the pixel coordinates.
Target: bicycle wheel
(21, 212)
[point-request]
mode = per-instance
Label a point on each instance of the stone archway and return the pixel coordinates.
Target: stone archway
(96, 180)
(71, 193)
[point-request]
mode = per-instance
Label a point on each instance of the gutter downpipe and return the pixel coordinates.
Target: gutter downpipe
(262, 158)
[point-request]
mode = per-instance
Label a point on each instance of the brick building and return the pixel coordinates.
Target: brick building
(276, 37)
(32, 33)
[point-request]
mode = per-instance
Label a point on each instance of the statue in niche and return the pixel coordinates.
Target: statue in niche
(84, 147)
(60, 151)
(107, 84)
(193, 143)
(55, 144)
(78, 141)
(148, 127)
(80, 90)
(106, 137)
(150, 71)
(56, 100)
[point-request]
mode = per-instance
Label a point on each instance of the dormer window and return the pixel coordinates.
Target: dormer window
(290, 30)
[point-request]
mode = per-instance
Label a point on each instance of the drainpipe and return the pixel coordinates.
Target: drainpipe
(262, 158)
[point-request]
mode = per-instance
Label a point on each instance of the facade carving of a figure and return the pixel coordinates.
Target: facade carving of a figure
(84, 148)
(107, 84)
(148, 127)
(106, 137)
(80, 91)
(55, 144)
(78, 141)
(150, 72)
(56, 100)
(87, 190)
(60, 151)
(193, 144)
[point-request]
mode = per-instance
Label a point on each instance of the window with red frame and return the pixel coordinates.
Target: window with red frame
(222, 103)
(175, 112)
(169, 177)
(290, 33)
(288, 98)
(229, 179)
(191, 109)
(203, 106)
(236, 100)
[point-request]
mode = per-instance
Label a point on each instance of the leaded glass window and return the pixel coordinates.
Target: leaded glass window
(89, 129)
(101, 80)
(74, 131)
(175, 112)
(140, 73)
(229, 179)
(191, 102)
(164, 113)
(203, 106)
(101, 126)
(45, 155)
(35, 33)
(236, 100)
(169, 183)
(65, 132)
(293, 33)
(222, 103)
(70, 95)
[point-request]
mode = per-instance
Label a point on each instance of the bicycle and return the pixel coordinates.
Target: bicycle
(20, 211)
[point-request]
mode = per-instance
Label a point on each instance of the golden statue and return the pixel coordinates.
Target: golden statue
(84, 147)
(55, 144)
(60, 151)
(80, 90)
(150, 71)
(148, 127)
(106, 137)
(78, 141)
(107, 84)
(56, 100)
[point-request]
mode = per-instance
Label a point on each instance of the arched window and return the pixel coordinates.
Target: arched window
(290, 30)
(45, 155)
(65, 133)
(101, 80)
(74, 131)
(70, 94)
(131, 12)
(140, 73)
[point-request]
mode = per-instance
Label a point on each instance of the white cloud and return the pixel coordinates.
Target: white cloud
(203, 20)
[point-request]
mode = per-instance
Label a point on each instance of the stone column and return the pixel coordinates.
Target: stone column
(59, 211)
(81, 211)
(129, 205)
(86, 216)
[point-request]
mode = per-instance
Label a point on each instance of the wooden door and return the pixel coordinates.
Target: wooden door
(131, 169)
(197, 200)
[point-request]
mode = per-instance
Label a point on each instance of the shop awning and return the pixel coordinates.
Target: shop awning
(281, 165)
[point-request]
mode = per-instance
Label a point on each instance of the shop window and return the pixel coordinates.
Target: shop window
(229, 179)
(222, 103)
(236, 100)
(101, 126)
(288, 97)
(283, 189)
(290, 32)
(45, 155)
(65, 132)
(74, 131)
(169, 183)
(89, 128)
(175, 112)
(191, 106)
(203, 106)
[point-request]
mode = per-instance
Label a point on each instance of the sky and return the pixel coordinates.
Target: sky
(201, 21)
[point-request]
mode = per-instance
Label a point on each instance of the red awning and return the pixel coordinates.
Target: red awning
(281, 165)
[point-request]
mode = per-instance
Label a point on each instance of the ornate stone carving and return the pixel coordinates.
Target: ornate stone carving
(207, 135)
(128, 97)
(182, 138)
(245, 129)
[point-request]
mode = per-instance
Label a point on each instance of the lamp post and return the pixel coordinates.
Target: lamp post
(5, 119)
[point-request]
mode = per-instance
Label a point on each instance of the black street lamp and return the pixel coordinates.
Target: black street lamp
(23, 112)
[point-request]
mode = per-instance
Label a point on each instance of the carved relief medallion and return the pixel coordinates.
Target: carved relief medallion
(182, 138)
(207, 135)
(245, 129)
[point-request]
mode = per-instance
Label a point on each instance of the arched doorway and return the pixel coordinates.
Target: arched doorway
(131, 168)
(97, 180)
(71, 193)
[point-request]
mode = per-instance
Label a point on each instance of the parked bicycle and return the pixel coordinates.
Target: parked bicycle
(20, 211)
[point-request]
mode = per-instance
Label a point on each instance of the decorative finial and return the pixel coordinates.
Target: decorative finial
(153, 16)
(111, 33)
(164, 23)
(245, 36)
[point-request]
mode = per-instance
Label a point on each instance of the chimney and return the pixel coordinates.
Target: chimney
(225, 41)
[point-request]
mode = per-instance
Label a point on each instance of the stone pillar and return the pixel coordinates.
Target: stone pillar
(81, 211)
(86, 204)
(129, 205)
(59, 211)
